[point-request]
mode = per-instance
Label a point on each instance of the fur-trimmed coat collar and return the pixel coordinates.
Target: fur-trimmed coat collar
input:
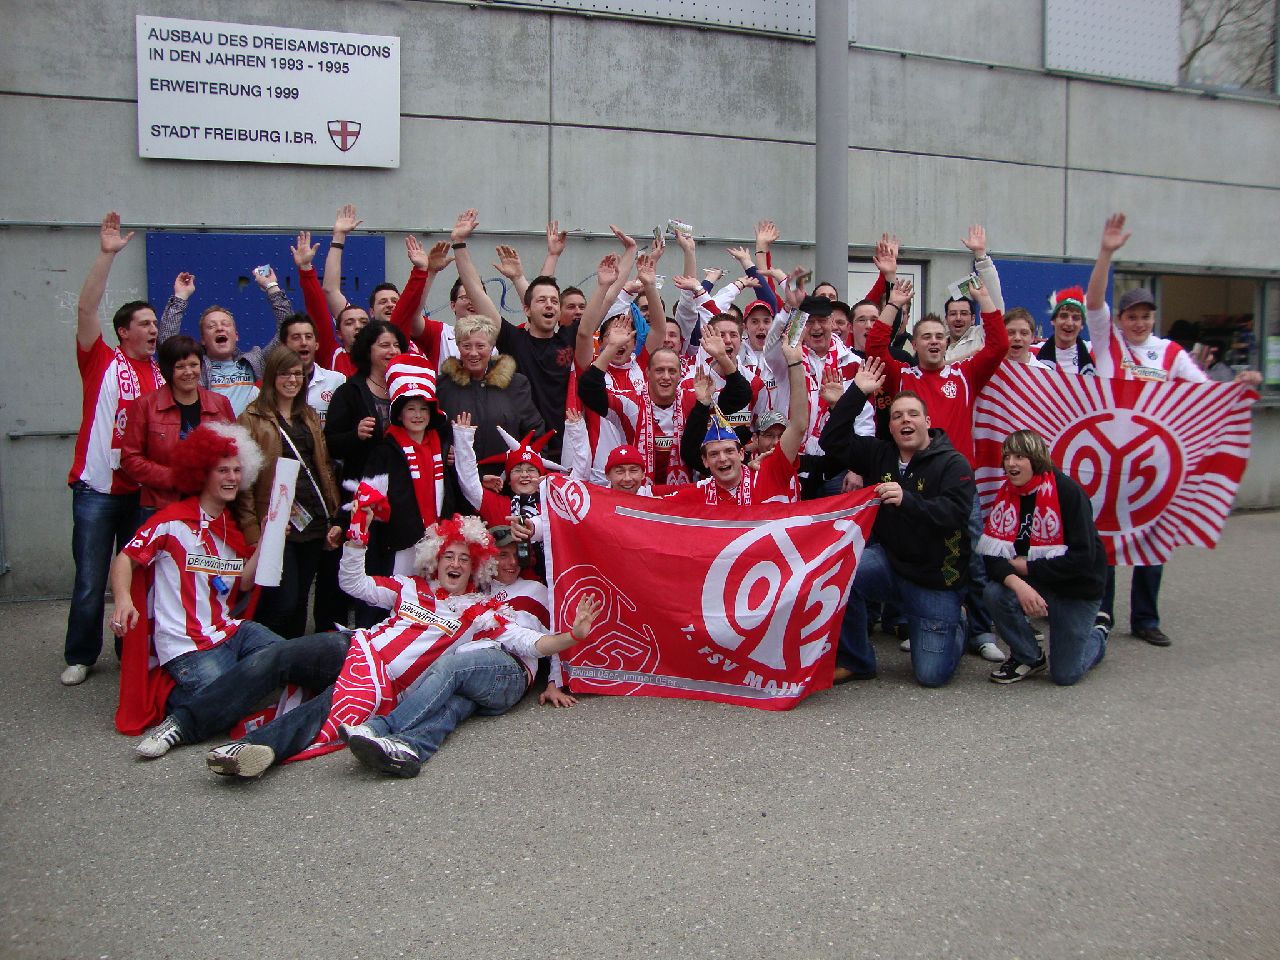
(500, 372)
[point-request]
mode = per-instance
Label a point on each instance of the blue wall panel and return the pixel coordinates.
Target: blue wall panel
(223, 266)
(1029, 284)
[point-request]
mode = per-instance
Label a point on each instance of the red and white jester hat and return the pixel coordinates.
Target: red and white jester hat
(410, 376)
(527, 450)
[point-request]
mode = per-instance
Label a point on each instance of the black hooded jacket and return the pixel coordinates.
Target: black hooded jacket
(926, 537)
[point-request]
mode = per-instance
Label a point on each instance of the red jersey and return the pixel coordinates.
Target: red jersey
(951, 392)
(110, 383)
(775, 481)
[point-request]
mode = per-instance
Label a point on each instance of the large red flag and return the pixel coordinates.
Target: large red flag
(737, 604)
(1159, 461)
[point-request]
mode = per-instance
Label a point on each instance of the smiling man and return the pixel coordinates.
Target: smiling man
(1065, 350)
(104, 499)
(225, 368)
(920, 559)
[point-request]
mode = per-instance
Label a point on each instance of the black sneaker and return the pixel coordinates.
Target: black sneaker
(1011, 671)
(1102, 620)
(387, 755)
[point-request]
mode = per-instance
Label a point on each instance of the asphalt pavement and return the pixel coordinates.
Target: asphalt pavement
(1131, 816)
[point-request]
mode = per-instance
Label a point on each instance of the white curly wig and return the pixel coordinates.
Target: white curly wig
(458, 529)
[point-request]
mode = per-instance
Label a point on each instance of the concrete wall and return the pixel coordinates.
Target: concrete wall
(531, 115)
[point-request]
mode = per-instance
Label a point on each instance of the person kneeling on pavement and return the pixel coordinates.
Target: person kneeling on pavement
(1044, 558)
(920, 558)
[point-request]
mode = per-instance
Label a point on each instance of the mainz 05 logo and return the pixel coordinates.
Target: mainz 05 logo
(1130, 465)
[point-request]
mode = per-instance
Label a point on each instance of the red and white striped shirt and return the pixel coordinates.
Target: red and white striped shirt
(425, 621)
(196, 561)
(1155, 359)
(110, 383)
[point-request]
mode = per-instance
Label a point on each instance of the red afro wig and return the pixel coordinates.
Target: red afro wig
(199, 452)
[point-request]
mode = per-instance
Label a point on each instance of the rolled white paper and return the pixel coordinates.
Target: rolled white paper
(276, 524)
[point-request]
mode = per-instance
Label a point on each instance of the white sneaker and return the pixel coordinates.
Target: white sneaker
(905, 646)
(159, 740)
(989, 651)
(240, 759)
(75, 673)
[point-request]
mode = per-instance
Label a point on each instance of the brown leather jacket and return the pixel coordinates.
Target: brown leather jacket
(251, 505)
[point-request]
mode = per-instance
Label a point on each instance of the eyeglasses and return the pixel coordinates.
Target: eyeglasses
(289, 376)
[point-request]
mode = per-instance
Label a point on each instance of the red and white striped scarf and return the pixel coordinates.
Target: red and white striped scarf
(426, 469)
(1000, 533)
(742, 496)
(646, 441)
(129, 389)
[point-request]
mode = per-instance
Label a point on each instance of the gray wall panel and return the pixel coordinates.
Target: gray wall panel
(1155, 133)
(445, 165)
(952, 109)
(931, 201)
(663, 78)
(1189, 224)
(640, 179)
(993, 31)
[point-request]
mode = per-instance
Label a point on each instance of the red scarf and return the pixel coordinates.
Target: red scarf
(646, 441)
(129, 389)
(1001, 530)
(742, 496)
(426, 469)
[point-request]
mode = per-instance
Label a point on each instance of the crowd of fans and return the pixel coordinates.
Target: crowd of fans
(442, 432)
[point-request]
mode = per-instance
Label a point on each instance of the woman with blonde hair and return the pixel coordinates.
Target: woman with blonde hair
(487, 387)
(284, 425)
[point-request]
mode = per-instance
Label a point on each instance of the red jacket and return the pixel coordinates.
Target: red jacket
(149, 438)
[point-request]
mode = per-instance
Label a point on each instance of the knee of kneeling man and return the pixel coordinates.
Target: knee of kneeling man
(1065, 678)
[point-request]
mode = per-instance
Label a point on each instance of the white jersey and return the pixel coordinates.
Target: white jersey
(320, 389)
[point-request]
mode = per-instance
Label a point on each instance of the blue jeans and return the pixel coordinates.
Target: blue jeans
(101, 524)
(1075, 646)
(312, 662)
(979, 622)
(1144, 597)
(196, 669)
(487, 681)
(934, 621)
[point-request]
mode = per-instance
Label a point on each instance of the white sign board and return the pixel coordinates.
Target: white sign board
(233, 91)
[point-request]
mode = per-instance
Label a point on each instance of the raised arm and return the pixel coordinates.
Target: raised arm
(184, 285)
(797, 429)
(646, 271)
(314, 300)
(689, 248)
(584, 617)
(556, 239)
(463, 228)
(509, 266)
(464, 460)
(1114, 236)
(406, 315)
(976, 244)
(110, 242)
(355, 582)
(766, 236)
(607, 274)
(343, 225)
